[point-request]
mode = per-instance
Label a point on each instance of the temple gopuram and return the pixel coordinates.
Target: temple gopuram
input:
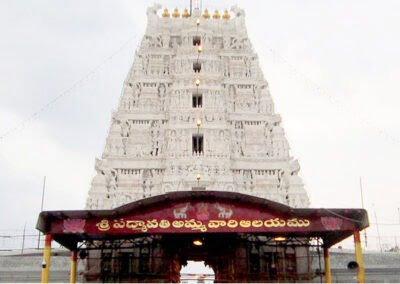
(196, 167)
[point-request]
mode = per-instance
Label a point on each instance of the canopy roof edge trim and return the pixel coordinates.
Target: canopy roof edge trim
(201, 212)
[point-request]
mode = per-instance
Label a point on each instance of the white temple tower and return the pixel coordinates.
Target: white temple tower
(169, 134)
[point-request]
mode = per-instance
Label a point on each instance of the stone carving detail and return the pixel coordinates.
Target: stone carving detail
(223, 212)
(149, 147)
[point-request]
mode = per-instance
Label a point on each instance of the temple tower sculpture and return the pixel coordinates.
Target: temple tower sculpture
(195, 114)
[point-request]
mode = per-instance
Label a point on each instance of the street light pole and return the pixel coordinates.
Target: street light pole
(377, 230)
(41, 206)
(398, 210)
(362, 205)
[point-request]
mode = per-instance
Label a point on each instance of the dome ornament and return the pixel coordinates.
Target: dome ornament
(206, 15)
(185, 14)
(216, 15)
(165, 14)
(226, 15)
(176, 14)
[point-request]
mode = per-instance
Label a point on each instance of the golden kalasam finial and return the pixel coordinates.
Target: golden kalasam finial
(206, 15)
(176, 14)
(226, 15)
(165, 14)
(185, 14)
(216, 15)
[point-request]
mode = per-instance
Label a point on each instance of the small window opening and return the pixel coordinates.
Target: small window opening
(197, 143)
(196, 40)
(197, 100)
(197, 67)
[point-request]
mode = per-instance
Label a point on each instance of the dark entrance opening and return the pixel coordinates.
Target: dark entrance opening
(243, 257)
(197, 271)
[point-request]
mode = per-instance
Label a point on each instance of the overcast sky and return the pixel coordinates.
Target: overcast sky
(332, 66)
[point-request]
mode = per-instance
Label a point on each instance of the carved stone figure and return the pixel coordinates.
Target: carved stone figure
(224, 212)
(180, 213)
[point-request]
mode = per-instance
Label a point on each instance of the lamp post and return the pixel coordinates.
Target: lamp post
(198, 177)
(198, 123)
(199, 50)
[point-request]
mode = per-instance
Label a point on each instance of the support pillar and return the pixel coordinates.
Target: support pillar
(359, 258)
(74, 258)
(46, 259)
(327, 262)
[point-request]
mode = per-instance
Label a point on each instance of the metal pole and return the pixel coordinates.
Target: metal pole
(362, 205)
(283, 262)
(362, 195)
(377, 230)
(74, 254)
(319, 262)
(327, 262)
(359, 258)
(398, 210)
(44, 188)
(46, 259)
(23, 240)
(41, 207)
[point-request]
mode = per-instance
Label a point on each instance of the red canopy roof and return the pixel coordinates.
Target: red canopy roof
(189, 212)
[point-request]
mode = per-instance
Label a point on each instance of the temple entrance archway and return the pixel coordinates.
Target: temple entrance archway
(217, 251)
(243, 238)
(242, 257)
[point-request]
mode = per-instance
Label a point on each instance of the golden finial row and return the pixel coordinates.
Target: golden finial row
(186, 14)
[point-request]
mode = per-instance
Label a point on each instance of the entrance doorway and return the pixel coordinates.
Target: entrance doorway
(216, 251)
(197, 272)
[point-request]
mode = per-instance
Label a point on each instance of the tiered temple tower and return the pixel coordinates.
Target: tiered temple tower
(195, 114)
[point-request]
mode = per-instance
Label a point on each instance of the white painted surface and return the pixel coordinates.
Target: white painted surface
(148, 150)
